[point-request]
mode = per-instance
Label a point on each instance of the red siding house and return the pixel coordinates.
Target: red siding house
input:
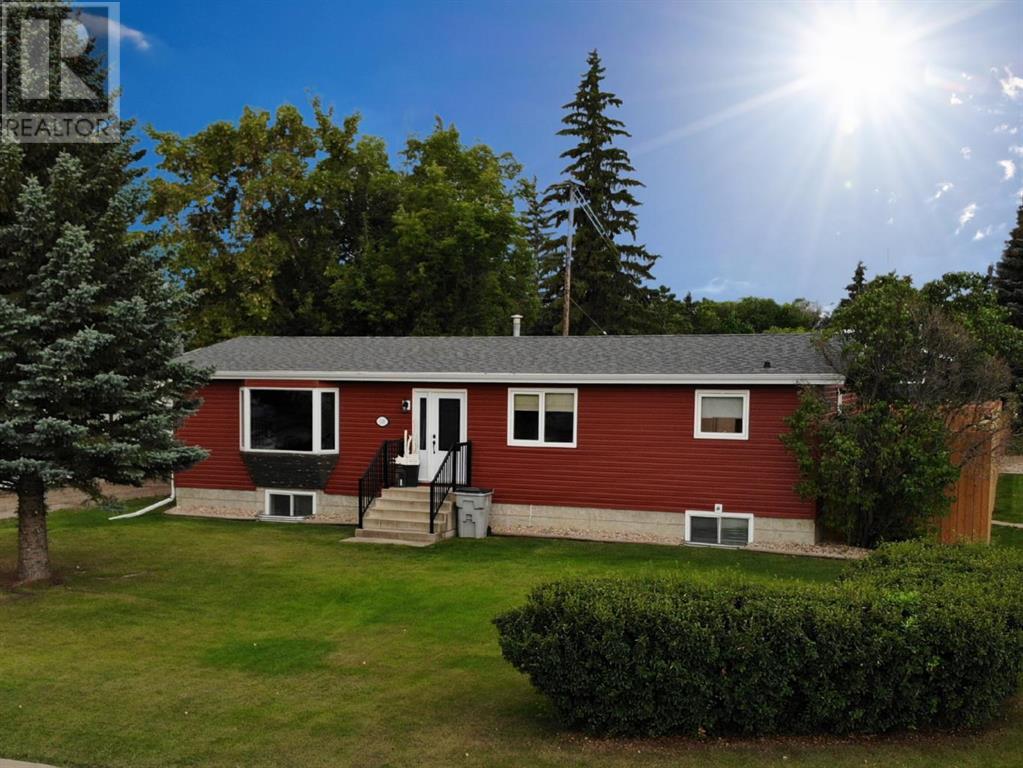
(649, 438)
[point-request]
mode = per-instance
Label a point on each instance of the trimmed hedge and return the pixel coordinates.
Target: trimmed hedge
(915, 636)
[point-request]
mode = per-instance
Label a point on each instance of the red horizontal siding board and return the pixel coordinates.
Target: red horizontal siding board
(635, 449)
(215, 427)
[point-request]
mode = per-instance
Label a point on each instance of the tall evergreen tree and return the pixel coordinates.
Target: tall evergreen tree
(1009, 273)
(608, 280)
(88, 334)
(88, 325)
(854, 288)
(534, 219)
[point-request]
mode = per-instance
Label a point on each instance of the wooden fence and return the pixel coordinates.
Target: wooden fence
(979, 449)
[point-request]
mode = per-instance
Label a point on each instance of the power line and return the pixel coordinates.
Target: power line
(575, 190)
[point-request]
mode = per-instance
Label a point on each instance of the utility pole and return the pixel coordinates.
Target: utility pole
(566, 309)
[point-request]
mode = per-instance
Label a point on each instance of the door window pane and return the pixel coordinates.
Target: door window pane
(703, 530)
(558, 425)
(721, 414)
(734, 531)
(328, 422)
(422, 424)
(449, 414)
(281, 419)
(527, 417)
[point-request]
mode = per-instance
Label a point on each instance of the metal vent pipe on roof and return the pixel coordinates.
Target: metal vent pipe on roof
(516, 325)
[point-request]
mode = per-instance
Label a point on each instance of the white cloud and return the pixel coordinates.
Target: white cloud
(966, 152)
(966, 216)
(1016, 149)
(1012, 86)
(721, 285)
(1008, 169)
(982, 233)
(1006, 128)
(954, 100)
(941, 188)
(101, 26)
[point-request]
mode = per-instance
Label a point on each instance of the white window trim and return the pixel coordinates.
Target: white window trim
(699, 434)
(286, 492)
(246, 426)
(540, 443)
(690, 513)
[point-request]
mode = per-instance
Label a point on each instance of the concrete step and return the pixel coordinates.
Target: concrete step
(419, 493)
(380, 540)
(397, 524)
(397, 513)
(400, 505)
(420, 538)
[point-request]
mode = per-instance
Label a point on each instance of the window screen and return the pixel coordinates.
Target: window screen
(725, 530)
(734, 531)
(722, 414)
(703, 530)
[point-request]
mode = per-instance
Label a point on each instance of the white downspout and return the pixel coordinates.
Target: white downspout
(151, 507)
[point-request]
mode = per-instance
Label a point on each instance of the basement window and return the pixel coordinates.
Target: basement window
(290, 420)
(722, 529)
(722, 415)
(542, 417)
(289, 504)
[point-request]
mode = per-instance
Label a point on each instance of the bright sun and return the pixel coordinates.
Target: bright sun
(860, 61)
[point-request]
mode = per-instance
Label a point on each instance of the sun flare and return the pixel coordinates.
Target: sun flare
(860, 61)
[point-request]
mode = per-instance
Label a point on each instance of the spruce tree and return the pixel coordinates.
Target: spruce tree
(608, 280)
(1009, 273)
(89, 389)
(854, 288)
(534, 219)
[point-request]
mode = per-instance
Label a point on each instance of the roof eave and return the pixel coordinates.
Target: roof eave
(538, 378)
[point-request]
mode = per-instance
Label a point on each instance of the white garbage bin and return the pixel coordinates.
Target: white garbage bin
(473, 512)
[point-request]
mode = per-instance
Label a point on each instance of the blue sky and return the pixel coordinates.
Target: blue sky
(779, 142)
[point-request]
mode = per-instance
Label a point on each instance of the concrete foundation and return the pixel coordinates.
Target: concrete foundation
(509, 519)
(248, 505)
(629, 525)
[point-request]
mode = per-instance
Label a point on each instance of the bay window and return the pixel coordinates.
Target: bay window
(291, 420)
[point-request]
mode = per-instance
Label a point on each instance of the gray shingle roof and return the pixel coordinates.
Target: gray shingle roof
(712, 358)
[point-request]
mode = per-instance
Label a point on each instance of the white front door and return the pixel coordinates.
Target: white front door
(439, 421)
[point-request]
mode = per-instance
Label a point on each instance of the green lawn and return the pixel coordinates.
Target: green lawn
(1009, 499)
(179, 642)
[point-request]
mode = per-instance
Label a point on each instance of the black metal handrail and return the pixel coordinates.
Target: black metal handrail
(454, 471)
(378, 475)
